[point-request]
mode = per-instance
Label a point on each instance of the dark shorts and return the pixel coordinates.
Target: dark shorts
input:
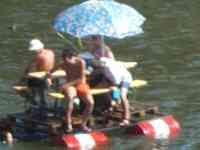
(37, 83)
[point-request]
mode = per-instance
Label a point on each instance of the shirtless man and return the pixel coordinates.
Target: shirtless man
(43, 61)
(75, 86)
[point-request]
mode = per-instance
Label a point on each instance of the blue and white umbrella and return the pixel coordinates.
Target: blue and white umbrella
(99, 17)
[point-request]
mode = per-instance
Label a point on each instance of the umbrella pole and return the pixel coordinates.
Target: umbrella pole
(102, 45)
(80, 44)
(68, 41)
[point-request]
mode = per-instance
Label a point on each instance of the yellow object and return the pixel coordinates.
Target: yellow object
(42, 74)
(58, 73)
(99, 91)
(20, 88)
(138, 83)
(93, 92)
(135, 84)
(128, 64)
(37, 74)
(61, 73)
(56, 95)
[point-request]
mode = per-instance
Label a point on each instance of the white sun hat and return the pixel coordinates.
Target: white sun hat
(35, 44)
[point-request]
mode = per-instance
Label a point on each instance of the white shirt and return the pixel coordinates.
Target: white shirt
(116, 72)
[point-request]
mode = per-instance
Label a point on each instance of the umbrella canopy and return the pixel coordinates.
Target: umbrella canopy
(99, 17)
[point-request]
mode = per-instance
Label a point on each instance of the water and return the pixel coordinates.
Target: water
(167, 53)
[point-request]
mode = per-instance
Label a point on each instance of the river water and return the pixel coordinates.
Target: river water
(167, 53)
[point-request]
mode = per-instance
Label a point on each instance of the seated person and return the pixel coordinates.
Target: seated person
(75, 85)
(98, 48)
(120, 76)
(43, 61)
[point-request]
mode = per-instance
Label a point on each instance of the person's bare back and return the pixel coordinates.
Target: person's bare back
(44, 60)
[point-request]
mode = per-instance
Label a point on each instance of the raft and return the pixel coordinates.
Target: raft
(36, 123)
(42, 124)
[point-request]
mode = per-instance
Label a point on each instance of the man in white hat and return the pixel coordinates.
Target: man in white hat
(43, 61)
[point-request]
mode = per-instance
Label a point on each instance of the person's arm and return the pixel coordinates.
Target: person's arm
(49, 74)
(108, 52)
(30, 66)
(82, 70)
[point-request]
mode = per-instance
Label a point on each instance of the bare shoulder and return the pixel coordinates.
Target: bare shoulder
(80, 60)
(107, 47)
(51, 51)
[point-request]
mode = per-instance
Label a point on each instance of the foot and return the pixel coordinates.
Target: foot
(86, 129)
(109, 124)
(68, 129)
(125, 122)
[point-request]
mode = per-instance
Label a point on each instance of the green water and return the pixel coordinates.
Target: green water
(167, 53)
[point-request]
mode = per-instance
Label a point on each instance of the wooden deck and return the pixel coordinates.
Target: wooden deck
(53, 123)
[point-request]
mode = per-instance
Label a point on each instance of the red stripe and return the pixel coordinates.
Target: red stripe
(135, 130)
(99, 137)
(71, 142)
(147, 129)
(173, 126)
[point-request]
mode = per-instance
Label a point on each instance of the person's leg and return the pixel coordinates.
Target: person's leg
(42, 95)
(42, 89)
(36, 86)
(70, 94)
(125, 103)
(83, 91)
(88, 100)
(125, 106)
(33, 96)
